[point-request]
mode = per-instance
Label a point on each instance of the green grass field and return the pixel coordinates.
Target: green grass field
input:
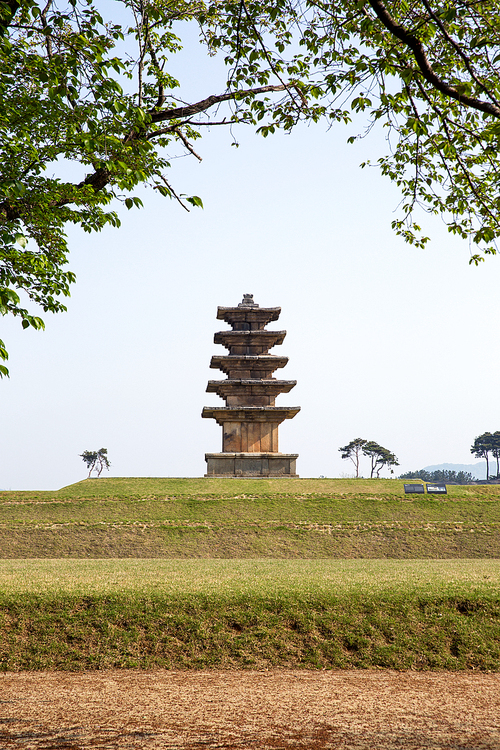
(259, 578)
(138, 488)
(202, 573)
(278, 518)
(93, 614)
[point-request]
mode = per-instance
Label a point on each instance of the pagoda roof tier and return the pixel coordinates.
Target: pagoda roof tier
(255, 386)
(273, 414)
(256, 316)
(263, 340)
(250, 391)
(251, 363)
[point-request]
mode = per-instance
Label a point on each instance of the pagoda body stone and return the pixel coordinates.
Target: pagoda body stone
(250, 418)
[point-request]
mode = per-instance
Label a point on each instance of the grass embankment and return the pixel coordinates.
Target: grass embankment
(95, 614)
(221, 518)
(255, 613)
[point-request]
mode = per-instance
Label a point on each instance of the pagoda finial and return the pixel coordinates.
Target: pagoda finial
(247, 301)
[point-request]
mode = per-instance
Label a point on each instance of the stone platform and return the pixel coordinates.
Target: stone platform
(251, 465)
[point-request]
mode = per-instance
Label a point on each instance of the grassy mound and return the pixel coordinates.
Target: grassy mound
(96, 614)
(231, 518)
(140, 487)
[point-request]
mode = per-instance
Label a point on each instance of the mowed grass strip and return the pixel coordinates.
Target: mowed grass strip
(158, 487)
(350, 518)
(96, 614)
(253, 577)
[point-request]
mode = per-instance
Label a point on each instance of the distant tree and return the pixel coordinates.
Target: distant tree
(461, 477)
(422, 474)
(387, 459)
(482, 447)
(495, 450)
(371, 449)
(379, 457)
(353, 451)
(96, 461)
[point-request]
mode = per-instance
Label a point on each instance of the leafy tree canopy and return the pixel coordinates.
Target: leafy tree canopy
(352, 451)
(484, 445)
(96, 460)
(92, 97)
(379, 457)
(426, 70)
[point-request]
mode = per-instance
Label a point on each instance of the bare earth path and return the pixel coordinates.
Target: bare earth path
(218, 710)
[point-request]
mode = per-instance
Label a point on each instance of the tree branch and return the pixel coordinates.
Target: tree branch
(173, 193)
(98, 179)
(210, 101)
(102, 176)
(185, 141)
(174, 128)
(459, 51)
(423, 63)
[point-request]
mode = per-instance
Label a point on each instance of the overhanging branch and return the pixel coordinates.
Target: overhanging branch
(101, 177)
(416, 46)
(210, 101)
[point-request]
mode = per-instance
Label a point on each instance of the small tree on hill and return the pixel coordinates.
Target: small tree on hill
(495, 449)
(482, 447)
(96, 461)
(387, 459)
(380, 457)
(353, 451)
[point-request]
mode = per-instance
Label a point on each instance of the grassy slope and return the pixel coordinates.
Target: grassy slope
(287, 518)
(256, 613)
(131, 487)
(87, 614)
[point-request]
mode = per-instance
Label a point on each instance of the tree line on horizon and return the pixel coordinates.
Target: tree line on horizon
(440, 475)
(484, 446)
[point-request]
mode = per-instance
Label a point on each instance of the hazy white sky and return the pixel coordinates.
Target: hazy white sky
(387, 342)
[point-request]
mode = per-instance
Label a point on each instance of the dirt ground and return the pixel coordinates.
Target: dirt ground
(217, 710)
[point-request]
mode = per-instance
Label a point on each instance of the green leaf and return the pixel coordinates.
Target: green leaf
(195, 200)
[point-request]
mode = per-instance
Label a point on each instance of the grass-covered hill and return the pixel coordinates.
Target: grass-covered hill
(275, 597)
(230, 518)
(257, 614)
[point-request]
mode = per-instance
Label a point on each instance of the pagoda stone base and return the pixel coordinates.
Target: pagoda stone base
(251, 464)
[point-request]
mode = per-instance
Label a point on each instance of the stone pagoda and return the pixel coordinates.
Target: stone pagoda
(249, 420)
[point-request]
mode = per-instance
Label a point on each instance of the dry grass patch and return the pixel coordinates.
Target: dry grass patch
(260, 578)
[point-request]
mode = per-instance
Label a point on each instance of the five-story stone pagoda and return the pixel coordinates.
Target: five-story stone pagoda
(250, 419)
